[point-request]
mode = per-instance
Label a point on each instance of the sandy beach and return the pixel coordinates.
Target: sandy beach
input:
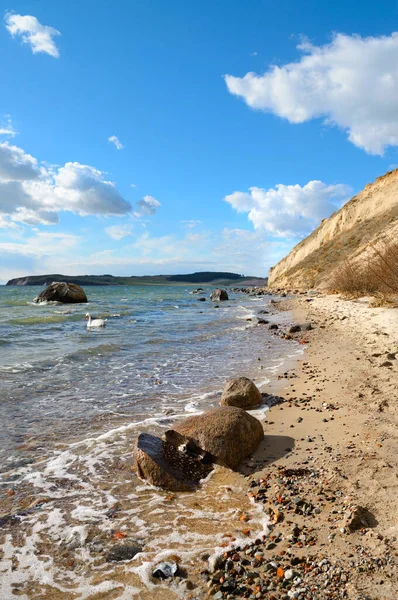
(338, 416)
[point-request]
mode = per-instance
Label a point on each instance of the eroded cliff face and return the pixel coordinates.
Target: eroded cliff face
(370, 215)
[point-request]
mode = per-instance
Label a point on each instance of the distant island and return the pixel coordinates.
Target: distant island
(204, 277)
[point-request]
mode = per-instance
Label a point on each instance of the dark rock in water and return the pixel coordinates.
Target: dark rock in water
(218, 295)
(262, 322)
(229, 433)
(294, 329)
(263, 312)
(60, 291)
(273, 326)
(119, 553)
(201, 299)
(165, 570)
(164, 465)
(241, 392)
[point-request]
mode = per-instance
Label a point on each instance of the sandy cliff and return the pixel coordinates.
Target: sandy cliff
(367, 217)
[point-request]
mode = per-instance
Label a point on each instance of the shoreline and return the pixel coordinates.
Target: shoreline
(329, 446)
(338, 416)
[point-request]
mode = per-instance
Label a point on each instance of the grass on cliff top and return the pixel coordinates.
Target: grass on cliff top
(377, 275)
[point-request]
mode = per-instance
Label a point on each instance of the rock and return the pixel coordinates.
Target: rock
(119, 553)
(294, 329)
(391, 355)
(307, 326)
(273, 326)
(359, 518)
(218, 295)
(188, 447)
(165, 570)
(241, 392)
(60, 291)
(75, 540)
(263, 312)
(162, 464)
(228, 433)
(289, 574)
(262, 322)
(201, 299)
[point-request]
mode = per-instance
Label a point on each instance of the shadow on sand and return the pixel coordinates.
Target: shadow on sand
(271, 448)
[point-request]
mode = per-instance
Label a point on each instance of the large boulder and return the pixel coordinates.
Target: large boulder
(241, 392)
(228, 433)
(166, 466)
(60, 291)
(218, 295)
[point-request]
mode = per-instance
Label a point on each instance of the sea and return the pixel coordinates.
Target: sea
(72, 403)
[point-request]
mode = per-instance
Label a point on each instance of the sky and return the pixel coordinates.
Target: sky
(171, 136)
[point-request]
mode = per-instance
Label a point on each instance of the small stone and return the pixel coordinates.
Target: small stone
(165, 570)
(119, 553)
(289, 574)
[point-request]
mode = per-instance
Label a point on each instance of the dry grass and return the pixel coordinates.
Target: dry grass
(315, 268)
(377, 275)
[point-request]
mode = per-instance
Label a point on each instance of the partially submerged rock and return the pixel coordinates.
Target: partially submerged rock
(228, 433)
(165, 570)
(60, 291)
(120, 553)
(241, 392)
(165, 465)
(218, 295)
(188, 447)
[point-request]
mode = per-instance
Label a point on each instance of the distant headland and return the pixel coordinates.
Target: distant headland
(204, 277)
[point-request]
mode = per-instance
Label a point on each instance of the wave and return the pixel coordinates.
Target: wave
(99, 350)
(38, 320)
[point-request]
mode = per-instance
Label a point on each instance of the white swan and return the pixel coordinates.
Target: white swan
(94, 322)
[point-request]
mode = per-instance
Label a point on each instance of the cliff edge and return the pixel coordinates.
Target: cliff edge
(368, 217)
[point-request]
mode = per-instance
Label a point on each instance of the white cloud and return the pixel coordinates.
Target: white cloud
(132, 185)
(39, 37)
(83, 190)
(118, 232)
(32, 194)
(16, 165)
(113, 139)
(147, 206)
(351, 82)
(41, 244)
(7, 128)
(191, 223)
(6, 223)
(289, 210)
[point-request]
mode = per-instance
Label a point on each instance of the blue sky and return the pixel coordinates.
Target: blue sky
(234, 128)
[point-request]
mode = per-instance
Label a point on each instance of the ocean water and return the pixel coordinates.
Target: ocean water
(72, 402)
